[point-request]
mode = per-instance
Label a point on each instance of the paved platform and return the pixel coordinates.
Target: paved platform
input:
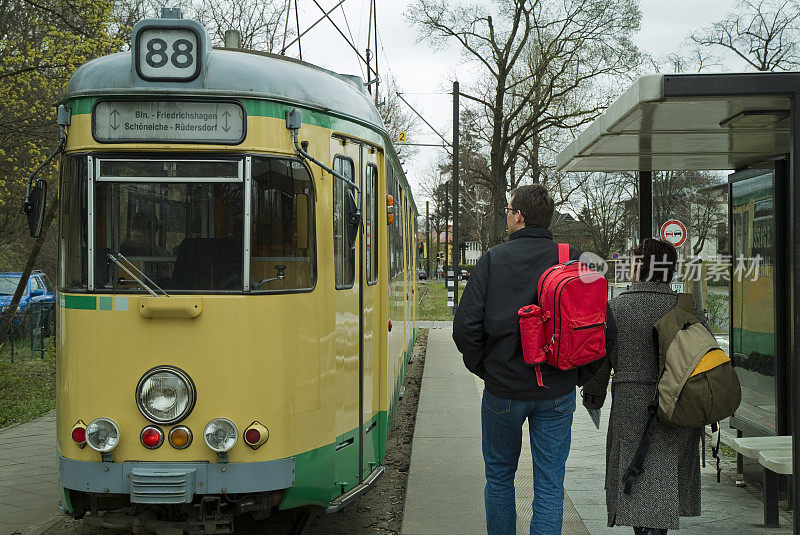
(29, 491)
(445, 485)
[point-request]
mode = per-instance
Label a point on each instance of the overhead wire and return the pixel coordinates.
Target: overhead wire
(297, 20)
(344, 14)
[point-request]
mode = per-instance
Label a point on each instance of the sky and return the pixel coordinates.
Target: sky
(425, 74)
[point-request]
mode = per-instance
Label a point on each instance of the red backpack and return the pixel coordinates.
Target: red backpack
(568, 327)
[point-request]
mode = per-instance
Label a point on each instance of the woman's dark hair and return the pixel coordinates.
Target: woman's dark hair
(534, 203)
(657, 260)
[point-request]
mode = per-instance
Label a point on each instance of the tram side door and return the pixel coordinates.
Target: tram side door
(346, 156)
(372, 312)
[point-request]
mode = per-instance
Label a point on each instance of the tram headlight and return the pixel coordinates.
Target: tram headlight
(165, 395)
(102, 435)
(220, 435)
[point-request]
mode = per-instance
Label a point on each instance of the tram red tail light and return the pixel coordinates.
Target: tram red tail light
(152, 437)
(256, 435)
(252, 436)
(79, 434)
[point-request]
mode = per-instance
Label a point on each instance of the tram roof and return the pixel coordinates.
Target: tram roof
(688, 122)
(236, 74)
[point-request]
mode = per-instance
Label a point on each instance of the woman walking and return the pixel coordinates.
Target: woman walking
(669, 487)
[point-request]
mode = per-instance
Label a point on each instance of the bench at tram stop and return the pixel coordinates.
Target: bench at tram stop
(775, 455)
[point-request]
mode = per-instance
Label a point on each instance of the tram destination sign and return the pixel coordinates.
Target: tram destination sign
(169, 121)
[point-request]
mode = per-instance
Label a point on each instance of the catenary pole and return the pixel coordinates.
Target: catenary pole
(447, 238)
(375, 26)
(456, 249)
(428, 231)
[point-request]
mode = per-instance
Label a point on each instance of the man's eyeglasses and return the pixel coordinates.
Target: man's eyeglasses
(512, 210)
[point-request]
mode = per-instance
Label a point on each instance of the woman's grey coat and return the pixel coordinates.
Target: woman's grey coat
(670, 485)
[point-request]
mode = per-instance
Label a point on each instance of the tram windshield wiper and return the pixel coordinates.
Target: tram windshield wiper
(120, 258)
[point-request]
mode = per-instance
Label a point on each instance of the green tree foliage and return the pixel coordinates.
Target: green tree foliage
(42, 42)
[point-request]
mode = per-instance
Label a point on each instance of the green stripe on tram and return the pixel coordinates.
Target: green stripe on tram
(80, 302)
(266, 108)
(315, 470)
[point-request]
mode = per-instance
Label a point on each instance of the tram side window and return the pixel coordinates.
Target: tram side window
(73, 236)
(282, 237)
(371, 217)
(344, 255)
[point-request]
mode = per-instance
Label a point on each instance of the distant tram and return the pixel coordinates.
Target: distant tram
(237, 285)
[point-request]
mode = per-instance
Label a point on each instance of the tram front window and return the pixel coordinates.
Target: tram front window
(181, 235)
(180, 225)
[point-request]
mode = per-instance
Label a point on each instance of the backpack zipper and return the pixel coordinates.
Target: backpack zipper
(556, 304)
(584, 327)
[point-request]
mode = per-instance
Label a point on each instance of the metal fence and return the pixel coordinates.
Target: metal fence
(32, 333)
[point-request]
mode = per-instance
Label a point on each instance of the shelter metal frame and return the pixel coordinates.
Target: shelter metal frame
(716, 122)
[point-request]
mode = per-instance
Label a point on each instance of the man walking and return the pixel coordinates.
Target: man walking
(486, 331)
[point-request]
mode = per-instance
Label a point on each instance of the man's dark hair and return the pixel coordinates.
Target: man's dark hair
(658, 259)
(535, 205)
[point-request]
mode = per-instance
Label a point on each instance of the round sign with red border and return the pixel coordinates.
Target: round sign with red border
(674, 232)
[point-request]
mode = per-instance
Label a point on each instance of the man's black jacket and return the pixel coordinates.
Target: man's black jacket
(486, 326)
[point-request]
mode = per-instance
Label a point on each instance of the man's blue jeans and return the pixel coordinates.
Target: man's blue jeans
(550, 423)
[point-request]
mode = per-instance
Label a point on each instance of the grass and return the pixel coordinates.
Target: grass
(433, 306)
(27, 385)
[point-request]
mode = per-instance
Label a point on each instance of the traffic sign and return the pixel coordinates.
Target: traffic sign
(674, 232)
(615, 256)
(401, 137)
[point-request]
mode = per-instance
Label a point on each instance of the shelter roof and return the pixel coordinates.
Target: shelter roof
(689, 121)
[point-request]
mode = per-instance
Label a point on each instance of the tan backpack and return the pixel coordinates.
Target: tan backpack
(697, 384)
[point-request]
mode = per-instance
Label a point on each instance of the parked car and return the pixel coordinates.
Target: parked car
(39, 295)
(464, 275)
(423, 275)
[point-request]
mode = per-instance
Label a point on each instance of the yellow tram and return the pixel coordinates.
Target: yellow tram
(234, 319)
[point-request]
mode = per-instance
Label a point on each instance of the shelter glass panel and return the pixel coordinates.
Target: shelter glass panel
(753, 296)
(282, 237)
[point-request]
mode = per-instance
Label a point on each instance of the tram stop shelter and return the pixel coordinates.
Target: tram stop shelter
(748, 124)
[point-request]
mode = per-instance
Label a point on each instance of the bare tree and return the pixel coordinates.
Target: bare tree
(259, 22)
(600, 206)
(764, 34)
(535, 56)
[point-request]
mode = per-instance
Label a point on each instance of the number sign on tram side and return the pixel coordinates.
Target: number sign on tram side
(169, 56)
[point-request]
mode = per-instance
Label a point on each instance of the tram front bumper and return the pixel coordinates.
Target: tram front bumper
(165, 482)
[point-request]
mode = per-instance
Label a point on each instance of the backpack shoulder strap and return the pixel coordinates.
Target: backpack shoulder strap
(686, 302)
(563, 253)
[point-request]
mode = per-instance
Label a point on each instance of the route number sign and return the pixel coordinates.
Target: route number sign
(401, 137)
(168, 54)
(674, 232)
